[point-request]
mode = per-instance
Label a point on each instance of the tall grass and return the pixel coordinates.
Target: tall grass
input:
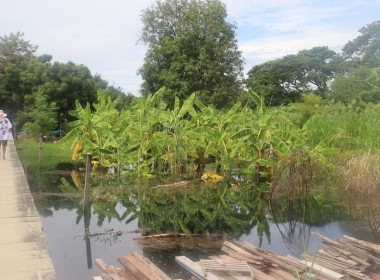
(362, 180)
(358, 130)
(52, 153)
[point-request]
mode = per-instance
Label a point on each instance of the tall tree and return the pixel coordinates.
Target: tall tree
(14, 49)
(360, 85)
(283, 80)
(365, 47)
(191, 48)
(43, 116)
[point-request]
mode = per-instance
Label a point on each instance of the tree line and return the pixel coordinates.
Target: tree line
(193, 49)
(38, 93)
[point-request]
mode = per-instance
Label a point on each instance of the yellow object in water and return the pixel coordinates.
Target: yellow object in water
(210, 177)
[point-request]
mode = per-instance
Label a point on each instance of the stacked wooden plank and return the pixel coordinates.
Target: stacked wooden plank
(263, 265)
(346, 258)
(135, 266)
(355, 259)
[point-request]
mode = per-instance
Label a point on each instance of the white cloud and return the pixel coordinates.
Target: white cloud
(277, 46)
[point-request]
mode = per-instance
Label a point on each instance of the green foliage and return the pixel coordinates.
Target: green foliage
(14, 49)
(191, 48)
(310, 105)
(366, 47)
(181, 140)
(355, 128)
(43, 116)
(23, 76)
(283, 80)
(360, 85)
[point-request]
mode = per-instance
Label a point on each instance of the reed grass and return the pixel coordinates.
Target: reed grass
(362, 182)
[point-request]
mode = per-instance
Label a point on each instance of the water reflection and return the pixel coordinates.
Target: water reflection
(294, 218)
(86, 222)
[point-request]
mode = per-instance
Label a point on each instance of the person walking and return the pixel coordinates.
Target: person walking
(5, 128)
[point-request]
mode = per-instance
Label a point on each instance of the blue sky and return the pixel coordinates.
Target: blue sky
(103, 34)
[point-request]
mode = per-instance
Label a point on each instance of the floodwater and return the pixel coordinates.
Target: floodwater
(120, 215)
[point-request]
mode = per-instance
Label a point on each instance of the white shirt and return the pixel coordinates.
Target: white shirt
(5, 125)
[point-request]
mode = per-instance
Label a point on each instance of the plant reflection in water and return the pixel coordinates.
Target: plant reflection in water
(214, 212)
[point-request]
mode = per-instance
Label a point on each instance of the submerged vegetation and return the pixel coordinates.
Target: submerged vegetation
(241, 140)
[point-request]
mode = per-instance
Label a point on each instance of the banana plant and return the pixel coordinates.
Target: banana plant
(266, 138)
(218, 126)
(173, 133)
(83, 135)
(141, 124)
(92, 130)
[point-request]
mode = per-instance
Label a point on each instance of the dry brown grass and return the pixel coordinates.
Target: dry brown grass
(362, 173)
(362, 182)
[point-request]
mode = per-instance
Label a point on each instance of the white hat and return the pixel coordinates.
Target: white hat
(2, 114)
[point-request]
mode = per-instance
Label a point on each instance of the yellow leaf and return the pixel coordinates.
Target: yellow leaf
(210, 177)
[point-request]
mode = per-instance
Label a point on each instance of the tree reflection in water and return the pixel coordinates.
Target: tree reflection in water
(216, 209)
(294, 218)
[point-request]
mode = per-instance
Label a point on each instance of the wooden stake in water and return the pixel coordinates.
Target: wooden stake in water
(87, 182)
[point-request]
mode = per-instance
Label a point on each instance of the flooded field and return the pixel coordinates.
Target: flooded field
(123, 212)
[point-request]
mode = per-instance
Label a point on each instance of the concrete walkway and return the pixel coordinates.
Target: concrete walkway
(23, 247)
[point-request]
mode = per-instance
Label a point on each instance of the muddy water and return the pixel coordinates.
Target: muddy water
(120, 215)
